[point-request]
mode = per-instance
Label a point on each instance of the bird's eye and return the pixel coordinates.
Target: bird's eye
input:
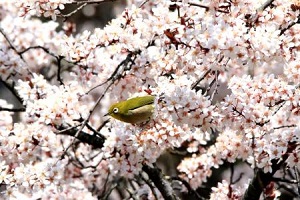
(115, 110)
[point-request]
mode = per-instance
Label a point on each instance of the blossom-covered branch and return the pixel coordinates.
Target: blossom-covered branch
(224, 76)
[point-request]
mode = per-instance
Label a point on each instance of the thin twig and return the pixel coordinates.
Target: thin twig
(102, 125)
(238, 178)
(9, 42)
(37, 47)
(285, 126)
(59, 79)
(199, 5)
(194, 85)
(290, 26)
(206, 7)
(74, 11)
(120, 69)
(92, 1)
(143, 3)
(214, 81)
(88, 117)
(265, 5)
(47, 51)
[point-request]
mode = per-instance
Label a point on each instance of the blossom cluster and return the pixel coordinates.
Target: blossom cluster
(225, 191)
(256, 133)
(59, 105)
(5, 117)
(48, 8)
(181, 52)
(132, 147)
(21, 149)
(21, 52)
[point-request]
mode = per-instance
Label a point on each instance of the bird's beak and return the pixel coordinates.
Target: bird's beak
(106, 114)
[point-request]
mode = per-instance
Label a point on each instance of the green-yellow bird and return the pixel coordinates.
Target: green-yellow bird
(135, 110)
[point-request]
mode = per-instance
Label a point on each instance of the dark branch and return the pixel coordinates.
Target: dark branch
(160, 182)
(96, 141)
(207, 7)
(188, 186)
(9, 42)
(290, 26)
(261, 179)
(285, 126)
(37, 47)
(265, 5)
(59, 59)
(252, 18)
(66, 16)
(150, 184)
(12, 109)
(194, 85)
(92, 1)
(12, 90)
(120, 69)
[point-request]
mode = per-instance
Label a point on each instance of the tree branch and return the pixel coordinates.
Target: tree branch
(265, 5)
(160, 182)
(96, 141)
(12, 89)
(261, 179)
(12, 109)
(282, 31)
(92, 1)
(9, 42)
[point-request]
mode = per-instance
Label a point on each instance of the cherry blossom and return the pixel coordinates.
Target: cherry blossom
(224, 74)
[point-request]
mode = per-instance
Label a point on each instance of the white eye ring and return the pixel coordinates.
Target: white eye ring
(115, 110)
